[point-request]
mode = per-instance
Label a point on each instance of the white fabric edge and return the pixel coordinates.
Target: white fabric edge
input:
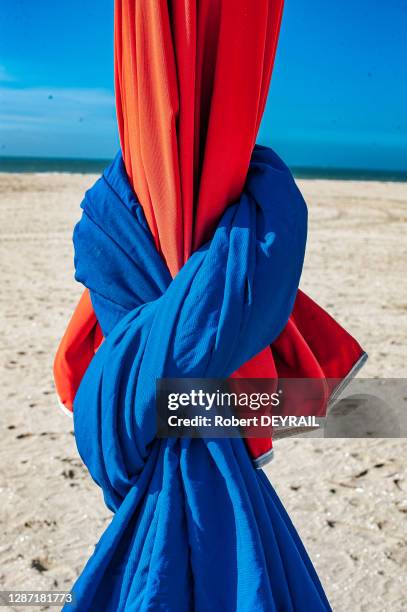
(64, 408)
(264, 459)
(336, 393)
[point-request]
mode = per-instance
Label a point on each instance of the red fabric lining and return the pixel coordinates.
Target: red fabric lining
(191, 84)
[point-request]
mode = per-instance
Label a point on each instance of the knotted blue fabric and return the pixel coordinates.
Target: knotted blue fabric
(195, 527)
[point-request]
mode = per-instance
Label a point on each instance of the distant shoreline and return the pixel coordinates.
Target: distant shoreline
(96, 166)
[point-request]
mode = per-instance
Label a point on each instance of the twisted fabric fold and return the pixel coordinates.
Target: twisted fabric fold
(195, 525)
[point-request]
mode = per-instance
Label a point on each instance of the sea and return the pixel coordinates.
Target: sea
(96, 166)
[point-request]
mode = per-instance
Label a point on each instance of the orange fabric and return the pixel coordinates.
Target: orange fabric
(76, 349)
(191, 85)
(192, 79)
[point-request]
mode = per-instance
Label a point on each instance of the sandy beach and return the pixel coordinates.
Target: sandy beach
(347, 498)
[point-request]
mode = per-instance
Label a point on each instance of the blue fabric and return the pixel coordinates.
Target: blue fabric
(195, 526)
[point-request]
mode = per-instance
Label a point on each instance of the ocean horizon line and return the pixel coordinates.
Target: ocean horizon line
(17, 165)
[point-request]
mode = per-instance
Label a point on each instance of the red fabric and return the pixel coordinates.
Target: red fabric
(191, 85)
(76, 349)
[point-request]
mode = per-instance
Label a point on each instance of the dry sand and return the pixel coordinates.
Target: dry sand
(346, 498)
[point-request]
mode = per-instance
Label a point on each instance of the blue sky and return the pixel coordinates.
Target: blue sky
(338, 96)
